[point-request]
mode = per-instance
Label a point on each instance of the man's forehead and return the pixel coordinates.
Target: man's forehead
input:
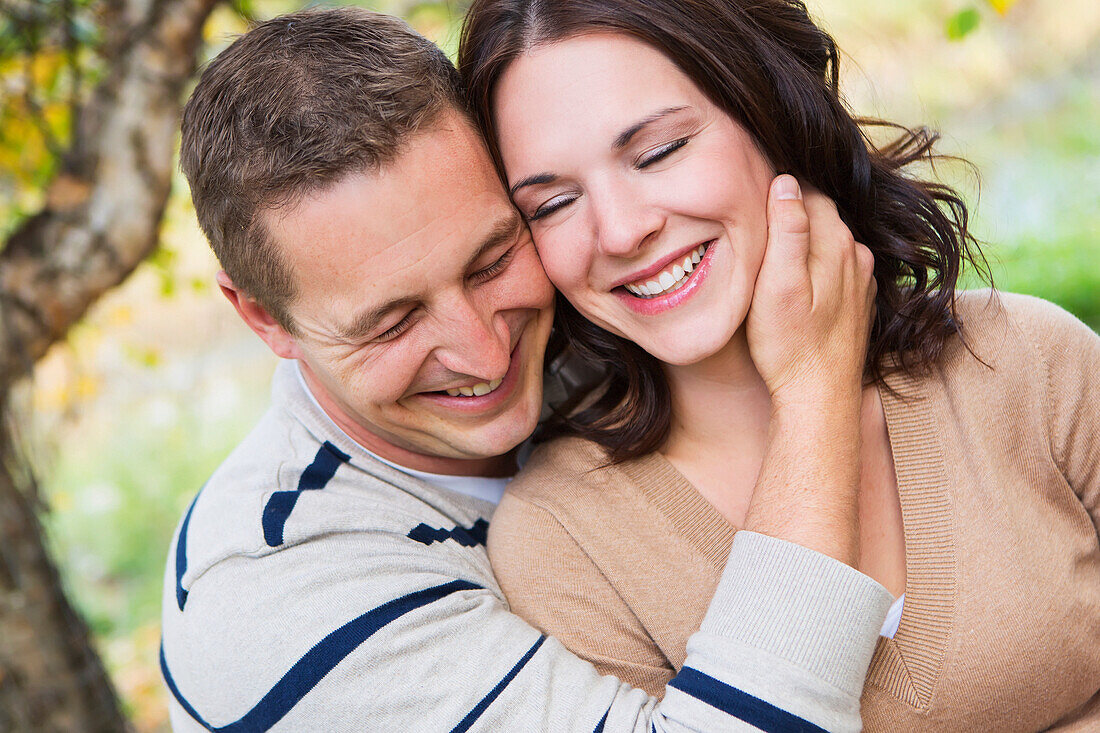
(343, 235)
(441, 193)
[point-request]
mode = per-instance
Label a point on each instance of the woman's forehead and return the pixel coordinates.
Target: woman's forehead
(595, 88)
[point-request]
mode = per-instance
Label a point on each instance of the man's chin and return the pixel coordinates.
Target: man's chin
(460, 434)
(492, 441)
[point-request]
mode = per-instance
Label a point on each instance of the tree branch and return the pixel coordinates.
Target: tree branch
(104, 207)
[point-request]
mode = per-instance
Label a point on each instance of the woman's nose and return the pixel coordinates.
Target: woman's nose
(624, 220)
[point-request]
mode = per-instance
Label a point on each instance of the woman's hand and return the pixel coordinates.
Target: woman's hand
(811, 312)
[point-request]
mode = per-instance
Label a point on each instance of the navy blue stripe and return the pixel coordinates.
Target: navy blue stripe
(168, 679)
(741, 705)
(281, 503)
(318, 661)
(473, 715)
(472, 536)
(181, 554)
(276, 512)
(602, 723)
(323, 468)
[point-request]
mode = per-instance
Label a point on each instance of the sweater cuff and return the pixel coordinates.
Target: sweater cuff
(799, 605)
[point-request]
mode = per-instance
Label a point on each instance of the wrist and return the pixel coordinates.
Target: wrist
(818, 403)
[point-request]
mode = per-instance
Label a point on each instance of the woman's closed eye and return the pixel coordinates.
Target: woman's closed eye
(554, 204)
(649, 158)
(660, 152)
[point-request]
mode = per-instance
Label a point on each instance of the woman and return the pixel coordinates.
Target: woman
(639, 140)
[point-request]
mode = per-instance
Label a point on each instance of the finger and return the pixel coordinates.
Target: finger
(788, 224)
(830, 232)
(819, 202)
(865, 261)
(866, 273)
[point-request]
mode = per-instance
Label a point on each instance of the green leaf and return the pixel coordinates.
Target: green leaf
(962, 23)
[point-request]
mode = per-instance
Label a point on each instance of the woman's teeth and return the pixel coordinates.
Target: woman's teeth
(671, 279)
(478, 390)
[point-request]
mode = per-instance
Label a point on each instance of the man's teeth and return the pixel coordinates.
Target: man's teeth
(478, 390)
(671, 279)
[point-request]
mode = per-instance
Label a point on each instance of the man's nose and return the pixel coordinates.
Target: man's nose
(475, 342)
(624, 221)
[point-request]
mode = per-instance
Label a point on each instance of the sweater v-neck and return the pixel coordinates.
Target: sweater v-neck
(909, 665)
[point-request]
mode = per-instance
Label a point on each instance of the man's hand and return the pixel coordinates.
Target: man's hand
(807, 329)
(811, 310)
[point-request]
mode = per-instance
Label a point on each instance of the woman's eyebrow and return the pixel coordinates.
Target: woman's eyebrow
(625, 135)
(620, 142)
(533, 181)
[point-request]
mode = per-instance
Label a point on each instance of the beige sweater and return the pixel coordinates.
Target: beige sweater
(999, 477)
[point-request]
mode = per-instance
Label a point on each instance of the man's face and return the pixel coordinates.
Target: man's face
(413, 280)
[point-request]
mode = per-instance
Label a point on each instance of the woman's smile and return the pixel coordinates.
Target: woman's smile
(671, 286)
(667, 276)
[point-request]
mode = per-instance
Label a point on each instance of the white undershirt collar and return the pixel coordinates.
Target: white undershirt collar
(479, 487)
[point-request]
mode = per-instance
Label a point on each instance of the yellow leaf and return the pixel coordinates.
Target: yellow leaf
(86, 386)
(1002, 6)
(62, 501)
(121, 315)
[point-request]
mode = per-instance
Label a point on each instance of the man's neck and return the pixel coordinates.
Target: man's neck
(494, 467)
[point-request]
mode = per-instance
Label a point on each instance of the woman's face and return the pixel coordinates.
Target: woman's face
(647, 202)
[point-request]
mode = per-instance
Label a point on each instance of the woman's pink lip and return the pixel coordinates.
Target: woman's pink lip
(660, 266)
(654, 306)
(485, 402)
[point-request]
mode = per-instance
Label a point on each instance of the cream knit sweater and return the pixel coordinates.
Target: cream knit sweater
(998, 470)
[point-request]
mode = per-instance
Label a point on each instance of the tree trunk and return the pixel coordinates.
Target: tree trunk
(101, 219)
(50, 677)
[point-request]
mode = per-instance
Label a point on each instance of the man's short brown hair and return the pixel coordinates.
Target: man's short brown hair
(293, 106)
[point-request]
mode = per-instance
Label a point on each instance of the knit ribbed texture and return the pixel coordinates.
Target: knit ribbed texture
(929, 548)
(763, 609)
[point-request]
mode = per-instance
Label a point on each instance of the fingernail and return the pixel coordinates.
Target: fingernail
(786, 188)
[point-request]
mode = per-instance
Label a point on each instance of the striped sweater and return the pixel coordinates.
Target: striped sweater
(311, 587)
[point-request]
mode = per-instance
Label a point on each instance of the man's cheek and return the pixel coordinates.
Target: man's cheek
(523, 286)
(398, 375)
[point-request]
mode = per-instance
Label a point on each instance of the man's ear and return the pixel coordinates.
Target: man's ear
(259, 320)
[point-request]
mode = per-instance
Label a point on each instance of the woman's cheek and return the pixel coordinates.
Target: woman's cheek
(564, 259)
(704, 190)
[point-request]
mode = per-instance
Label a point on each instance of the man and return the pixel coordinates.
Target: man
(332, 574)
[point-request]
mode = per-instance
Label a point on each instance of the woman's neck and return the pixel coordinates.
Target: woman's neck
(720, 414)
(721, 396)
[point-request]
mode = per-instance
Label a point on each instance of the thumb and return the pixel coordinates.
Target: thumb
(788, 224)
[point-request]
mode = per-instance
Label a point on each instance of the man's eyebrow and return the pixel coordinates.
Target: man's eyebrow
(368, 320)
(506, 228)
(625, 135)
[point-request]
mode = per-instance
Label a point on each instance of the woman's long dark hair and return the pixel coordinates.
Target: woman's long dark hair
(773, 70)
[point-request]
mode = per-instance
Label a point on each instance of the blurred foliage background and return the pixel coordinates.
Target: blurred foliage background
(151, 391)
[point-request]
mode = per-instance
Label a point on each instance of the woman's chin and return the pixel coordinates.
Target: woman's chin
(684, 353)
